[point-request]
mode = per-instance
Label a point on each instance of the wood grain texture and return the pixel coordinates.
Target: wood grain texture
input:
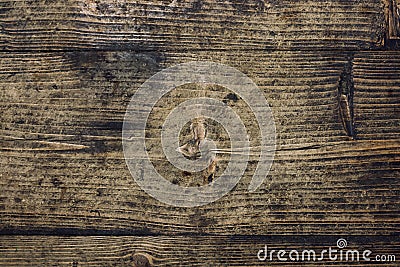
(191, 25)
(377, 80)
(63, 169)
(179, 250)
(69, 68)
(393, 19)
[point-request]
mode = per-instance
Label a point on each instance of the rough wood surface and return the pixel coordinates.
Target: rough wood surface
(189, 25)
(178, 251)
(69, 68)
(63, 169)
(393, 19)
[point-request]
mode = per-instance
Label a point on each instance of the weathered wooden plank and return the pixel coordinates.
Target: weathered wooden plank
(186, 251)
(190, 25)
(63, 169)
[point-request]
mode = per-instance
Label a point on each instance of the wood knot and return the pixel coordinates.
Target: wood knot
(191, 149)
(142, 260)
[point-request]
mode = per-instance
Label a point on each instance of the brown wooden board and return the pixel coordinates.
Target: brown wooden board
(191, 25)
(330, 71)
(63, 168)
(181, 250)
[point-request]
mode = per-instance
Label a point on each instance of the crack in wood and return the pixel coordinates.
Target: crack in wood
(345, 98)
(392, 13)
(394, 20)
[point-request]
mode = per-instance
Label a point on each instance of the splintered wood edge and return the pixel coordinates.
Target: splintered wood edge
(392, 14)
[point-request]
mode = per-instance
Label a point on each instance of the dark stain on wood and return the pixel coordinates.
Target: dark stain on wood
(201, 220)
(230, 97)
(56, 182)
